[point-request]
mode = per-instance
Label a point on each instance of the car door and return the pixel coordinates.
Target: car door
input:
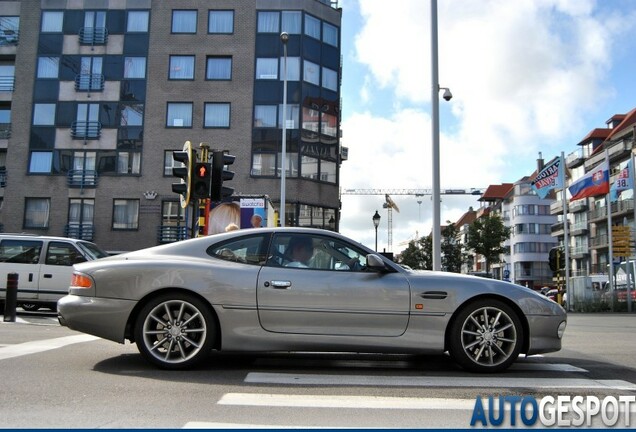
(332, 295)
(57, 269)
(21, 257)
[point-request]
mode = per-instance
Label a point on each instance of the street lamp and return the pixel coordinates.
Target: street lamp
(376, 223)
(437, 234)
(284, 37)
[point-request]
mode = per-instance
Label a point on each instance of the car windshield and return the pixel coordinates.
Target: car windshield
(92, 250)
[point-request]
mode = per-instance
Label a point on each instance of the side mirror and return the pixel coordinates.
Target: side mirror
(375, 263)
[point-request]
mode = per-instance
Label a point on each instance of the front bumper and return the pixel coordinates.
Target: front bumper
(544, 333)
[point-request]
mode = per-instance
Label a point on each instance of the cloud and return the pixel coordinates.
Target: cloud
(524, 75)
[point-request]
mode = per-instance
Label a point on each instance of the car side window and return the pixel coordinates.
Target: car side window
(62, 254)
(247, 250)
(299, 250)
(20, 251)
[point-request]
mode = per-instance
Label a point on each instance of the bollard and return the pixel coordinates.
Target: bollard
(11, 300)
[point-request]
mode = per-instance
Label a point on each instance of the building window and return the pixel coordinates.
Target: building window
(184, 21)
(132, 115)
(179, 114)
(219, 68)
(328, 125)
(128, 163)
(329, 79)
(48, 67)
(9, 28)
(292, 116)
(311, 72)
(125, 214)
(309, 167)
(52, 22)
(265, 116)
(169, 163)
(135, 67)
(137, 22)
(221, 21)
(292, 22)
(41, 162)
(266, 68)
(36, 213)
(312, 27)
(44, 114)
(293, 68)
(291, 168)
(217, 115)
(268, 22)
(330, 34)
(328, 171)
(181, 67)
(264, 164)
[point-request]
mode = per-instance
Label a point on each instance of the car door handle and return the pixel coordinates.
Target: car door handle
(30, 277)
(48, 276)
(279, 284)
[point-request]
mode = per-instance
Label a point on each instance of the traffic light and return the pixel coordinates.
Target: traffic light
(556, 259)
(201, 177)
(183, 188)
(220, 161)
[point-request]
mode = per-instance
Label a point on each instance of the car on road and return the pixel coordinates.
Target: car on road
(244, 291)
(44, 265)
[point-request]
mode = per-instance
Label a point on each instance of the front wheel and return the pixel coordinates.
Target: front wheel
(486, 336)
(175, 331)
(30, 307)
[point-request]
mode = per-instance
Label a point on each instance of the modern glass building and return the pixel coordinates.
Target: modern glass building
(96, 94)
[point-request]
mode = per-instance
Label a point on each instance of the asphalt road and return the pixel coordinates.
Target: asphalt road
(53, 377)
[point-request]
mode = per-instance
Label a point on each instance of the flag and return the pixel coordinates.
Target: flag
(624, 181)
(594, 183)
(549, 178)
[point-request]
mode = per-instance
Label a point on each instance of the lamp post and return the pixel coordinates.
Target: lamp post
(376, 223)
(284, 37)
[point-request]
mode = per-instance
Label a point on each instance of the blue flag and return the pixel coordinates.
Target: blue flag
(550, 177)
(624, 181)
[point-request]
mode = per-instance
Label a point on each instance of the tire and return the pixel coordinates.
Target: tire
(486, 336)
(175, 331)
(30, 307)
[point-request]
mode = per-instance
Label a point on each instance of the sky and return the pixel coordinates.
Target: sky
(527, 77)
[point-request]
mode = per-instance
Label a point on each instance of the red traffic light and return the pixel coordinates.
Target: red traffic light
(202, 170)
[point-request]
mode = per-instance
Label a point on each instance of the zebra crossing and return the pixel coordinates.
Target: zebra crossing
(438, 412)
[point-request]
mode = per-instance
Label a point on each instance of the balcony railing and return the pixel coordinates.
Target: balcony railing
(5, 130)
(578, 206)
(82, 179)
(86, 129)
(3, 177)
(80, 231)
(7, 83)
(9, 37)
(576, 158)
(599, 241)
(171, 233)
(89, 82)
(93, 36)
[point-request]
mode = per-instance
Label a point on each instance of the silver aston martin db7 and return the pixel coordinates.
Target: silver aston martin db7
(301, 289)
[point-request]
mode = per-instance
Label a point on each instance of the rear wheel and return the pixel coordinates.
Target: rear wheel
(486, 336)
(30, 307)
(175, 331)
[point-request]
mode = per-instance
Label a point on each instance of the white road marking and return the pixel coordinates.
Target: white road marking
(446, 381)
(338, 401)
(546, 367)
(34, 347)
(216, 425)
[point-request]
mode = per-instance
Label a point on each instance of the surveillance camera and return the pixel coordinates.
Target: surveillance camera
(447, 95)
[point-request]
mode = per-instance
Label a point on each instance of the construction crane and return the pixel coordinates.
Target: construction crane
(390, 204)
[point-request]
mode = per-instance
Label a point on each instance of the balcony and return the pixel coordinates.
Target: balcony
(5, 130)
(576, 158)
(599, 242)
(82, 179)
(89, 82)
(556, 207)
(623, 206)
(579, 252)
(596, 214)
(579, 228)
(86, 130)
(578, 206)
(9, 37)
(3, 177)
(7, 83)
(80, 231)
(171, 233)
(93, 36)
(558, 229)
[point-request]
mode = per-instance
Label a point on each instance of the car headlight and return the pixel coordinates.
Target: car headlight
(561, 329)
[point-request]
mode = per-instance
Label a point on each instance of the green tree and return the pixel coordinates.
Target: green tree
(486, 237)
(417, 255)
(451, 249)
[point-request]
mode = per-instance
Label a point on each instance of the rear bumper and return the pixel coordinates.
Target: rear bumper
(102, 317)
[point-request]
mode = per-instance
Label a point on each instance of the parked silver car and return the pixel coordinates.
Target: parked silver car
(300, 289)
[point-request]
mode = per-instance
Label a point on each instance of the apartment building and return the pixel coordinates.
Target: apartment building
(96, 94)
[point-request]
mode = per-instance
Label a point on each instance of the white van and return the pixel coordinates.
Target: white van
(44, 266)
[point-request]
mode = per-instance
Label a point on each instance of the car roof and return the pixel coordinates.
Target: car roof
(40, 237)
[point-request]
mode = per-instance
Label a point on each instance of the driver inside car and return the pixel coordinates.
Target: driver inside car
(300, 251)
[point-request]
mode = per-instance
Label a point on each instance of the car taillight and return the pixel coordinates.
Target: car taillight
(81, 281)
